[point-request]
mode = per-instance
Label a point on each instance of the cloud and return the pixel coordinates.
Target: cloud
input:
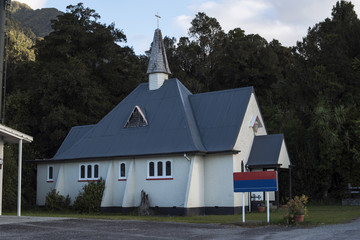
(183, 22)
(34, 4)
(284, 20)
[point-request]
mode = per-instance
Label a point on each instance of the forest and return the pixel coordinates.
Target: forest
(83, 68)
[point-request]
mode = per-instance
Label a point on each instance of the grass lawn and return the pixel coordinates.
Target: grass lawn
(324, 214)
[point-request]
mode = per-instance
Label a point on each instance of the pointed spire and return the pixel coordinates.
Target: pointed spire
(158, 68)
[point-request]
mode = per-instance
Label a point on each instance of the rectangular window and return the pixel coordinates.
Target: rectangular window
(50, 174)
(159, 170)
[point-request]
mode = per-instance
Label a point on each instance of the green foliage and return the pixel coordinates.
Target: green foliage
(80, 73)
(21, 41)
(89, 200)
(297, 206)
(57, 202)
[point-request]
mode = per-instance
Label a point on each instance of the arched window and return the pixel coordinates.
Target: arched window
(122, 170)
(50, 173)
(160, 168)
(151, 169)
(168, 168)
(89, 171)
(96, 171)
(82, 172)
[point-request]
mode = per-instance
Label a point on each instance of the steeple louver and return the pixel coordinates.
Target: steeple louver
(158, 68)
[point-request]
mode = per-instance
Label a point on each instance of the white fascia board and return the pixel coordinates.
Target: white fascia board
(13, 136)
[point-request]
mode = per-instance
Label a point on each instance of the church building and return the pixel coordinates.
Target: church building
(180, 148)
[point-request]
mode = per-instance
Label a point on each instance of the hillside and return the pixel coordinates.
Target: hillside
(39, 20)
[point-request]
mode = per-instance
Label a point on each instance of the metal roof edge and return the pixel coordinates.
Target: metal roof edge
(116, 157)
(16, 134)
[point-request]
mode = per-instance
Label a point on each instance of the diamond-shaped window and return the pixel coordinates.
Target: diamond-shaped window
(136, 119)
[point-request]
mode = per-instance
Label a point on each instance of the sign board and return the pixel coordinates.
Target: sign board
(255, 181)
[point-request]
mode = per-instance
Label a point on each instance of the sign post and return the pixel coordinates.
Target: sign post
(265, 181)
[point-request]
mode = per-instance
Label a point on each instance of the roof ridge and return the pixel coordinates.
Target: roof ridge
(189, 116)
(225, 90)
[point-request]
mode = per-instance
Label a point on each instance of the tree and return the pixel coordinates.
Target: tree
(330, 90)
(80, 73)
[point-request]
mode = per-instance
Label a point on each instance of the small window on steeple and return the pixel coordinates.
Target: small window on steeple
(136, 119)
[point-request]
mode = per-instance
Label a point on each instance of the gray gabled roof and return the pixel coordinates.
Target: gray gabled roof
(75, 134)
(158, 62)
(178, 122)
(170, 128)
(265, 150)
(219, 116)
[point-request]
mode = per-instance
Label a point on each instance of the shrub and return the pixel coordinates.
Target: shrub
(56, 202)
(89, 199)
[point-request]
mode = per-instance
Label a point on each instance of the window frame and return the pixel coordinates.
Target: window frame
(160, 164)
(48, 179)
(122, 178)
(89, 176)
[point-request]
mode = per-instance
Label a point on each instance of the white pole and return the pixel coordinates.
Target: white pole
(268, 207)
(19, 179)
(243, 207)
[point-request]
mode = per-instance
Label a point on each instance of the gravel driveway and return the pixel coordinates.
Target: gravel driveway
(62, 228)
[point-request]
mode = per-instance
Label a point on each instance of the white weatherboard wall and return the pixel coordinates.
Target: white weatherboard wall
(246, 135)
(218, 178)
(66, 178)
(195, 186)
(129, 190)
(60, 180)
(244, 142)
(162, 193)
(115, 189)
(156, 80)
(107, 199)
(43, 187)
(284, 156)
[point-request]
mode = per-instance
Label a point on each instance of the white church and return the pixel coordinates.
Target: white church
(180, 148)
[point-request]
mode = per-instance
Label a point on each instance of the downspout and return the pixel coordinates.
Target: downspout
(187, 158)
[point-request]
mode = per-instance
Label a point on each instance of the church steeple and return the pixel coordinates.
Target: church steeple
(158, 68)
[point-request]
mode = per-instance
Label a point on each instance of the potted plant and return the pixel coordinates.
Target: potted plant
(297, 208)
(261, 206)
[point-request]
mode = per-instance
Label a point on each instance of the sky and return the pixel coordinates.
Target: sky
(283, 20)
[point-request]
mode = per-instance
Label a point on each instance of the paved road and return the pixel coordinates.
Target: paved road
(54, 229)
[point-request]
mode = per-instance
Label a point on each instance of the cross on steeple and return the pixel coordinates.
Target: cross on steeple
(158, 17)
